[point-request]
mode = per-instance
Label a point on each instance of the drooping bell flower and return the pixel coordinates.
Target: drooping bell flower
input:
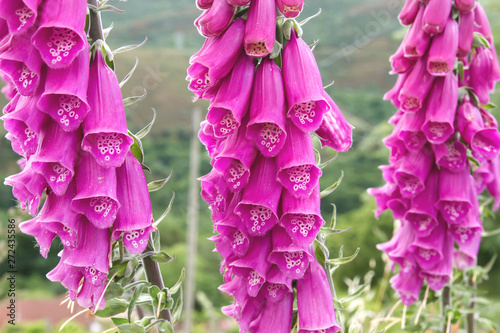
(135, 217)
(57, 218)
(428, 251)
(455, 189)
(494, 186)
(413, 171)
(466, 255)
(22, 63)
(440, 274)
(239, 2)
(216, 18)
(422, 214)
(9, 90)
(28, 187)
(334, 131)
(409, 11)
(258, 208)
(417, 40)
(11, 106)
(96, 196)
(278, 285)
(382, 196)
(61, 36)
(69, 276)
(216, 59)
(411, 130)
(443, 50)
(90, 295)
(484, 142)
(260, 30)
(302, 217)
(105, 126)
(416, 85)
(399, 62)
(266, 126)
(91, 252)
(480, 73)
(482, 176)
(396, 145)
(54, 161)
(464, 232)
(290, 8)
(303, 85)
(42, 236)
(296, 162)
(215, 191)
(229, 106)
(20, 15)
(65, 94)
(236, 159)
(204, 4)
(397, 249)
(451, 155)
(465, 33)
(314, 301)
(441, 108)
(407, 286)
(436, 15)
(482, 24)
(465, 5)
(25, 124)
(275, 317)
(253, 266)
(290, 258)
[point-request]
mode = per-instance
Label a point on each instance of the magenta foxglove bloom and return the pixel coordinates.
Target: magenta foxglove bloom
(303, 85)
(260, 30)
(412, 172)
(42, 236)
(455, 190)
(275, 316)
(96, 196)
(69, 276)
(236, 159)
(22, 63)
(439, 121)
(239, 2)
(28, 187)
(443, 50)
(230, 105)
(440, 274)
(297, 170)
(54, 161)
(60, 36)
(417, 40)
(216, 18)
(428, 251)
(290, 8)
(480, 71)
(19, 15)
(409, 12)
(466, 255)
(315, 303)
(494, 185)
(436, 15)
(407, 286)
(266, 126)
(465, 5)
(216, 59)
(105, 127)
(65, 94)
(416, 85)
(259, 212)
(334, 131)
(465, 33)
(135, 217)
(204, 4)
(451, 155)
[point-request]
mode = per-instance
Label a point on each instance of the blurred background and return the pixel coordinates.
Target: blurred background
(356, 38)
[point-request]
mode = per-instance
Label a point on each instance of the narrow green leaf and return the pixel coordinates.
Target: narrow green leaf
(131, 328)
(114, 290)
(175, 288)
(327, 232)
(136, 148)
(488, 106)
(161, 257)
(480, 41)
(127, 48)
(165, 213)
(321, 251)
(134, 99)
(333, 187)
(109, 8)
(106, 31)
(119, 321)
(113, 307)
(143, 132)
(343, 260)
(155, 237)
(333, 221)
(177, 311)
(153, 291)
(490, 263)
(129, 75)
(318, 156)
(133, 299)
(119, 268)
(158, 184)
(310, 18)
(166, 327)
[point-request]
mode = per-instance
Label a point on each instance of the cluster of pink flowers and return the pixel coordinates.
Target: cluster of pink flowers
(445, 77)
(263, 190)
(67, 120)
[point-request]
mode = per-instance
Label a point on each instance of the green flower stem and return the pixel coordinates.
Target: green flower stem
(471, 320)
(445, 305)
(95, 32)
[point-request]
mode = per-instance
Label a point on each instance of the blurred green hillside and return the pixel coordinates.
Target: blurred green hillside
(356, 38)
